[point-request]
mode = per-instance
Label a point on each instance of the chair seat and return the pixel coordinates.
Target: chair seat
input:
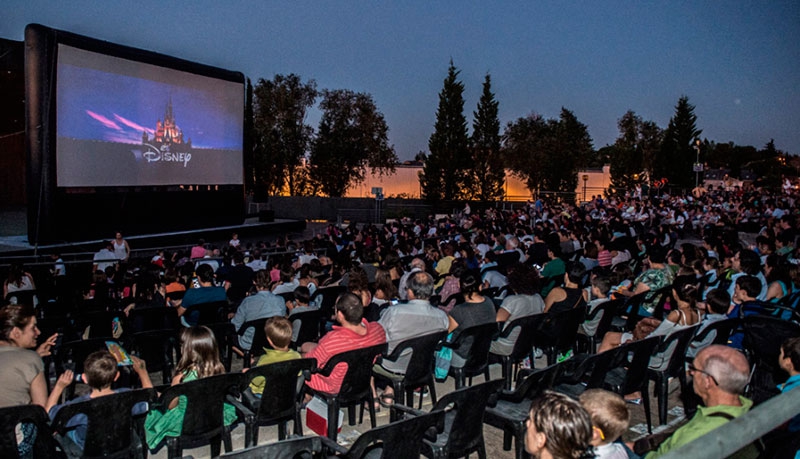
(509, 411)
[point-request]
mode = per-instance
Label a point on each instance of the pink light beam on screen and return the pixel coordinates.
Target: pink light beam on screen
(133, 125)
(104, 121)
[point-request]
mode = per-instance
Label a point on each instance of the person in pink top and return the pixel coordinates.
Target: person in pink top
(353, 333)
(199, 250)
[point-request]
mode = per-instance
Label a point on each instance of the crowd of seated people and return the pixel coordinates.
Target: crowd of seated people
(487, 266)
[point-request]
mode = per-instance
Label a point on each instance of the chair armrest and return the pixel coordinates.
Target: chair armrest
(407, 410)
(332, 446)
(246, 413)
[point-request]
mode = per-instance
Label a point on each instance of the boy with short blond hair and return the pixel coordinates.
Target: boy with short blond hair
(610, 419)
(279, 336)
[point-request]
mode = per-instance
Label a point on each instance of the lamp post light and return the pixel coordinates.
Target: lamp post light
(585, 179)
(697, 166)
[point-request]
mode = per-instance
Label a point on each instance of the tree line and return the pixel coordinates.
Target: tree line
(286, 154)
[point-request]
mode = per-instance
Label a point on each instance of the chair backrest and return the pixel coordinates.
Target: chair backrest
(476, 341)
(632, 309)
(659, 299)
(763, 336)
(146, 319)
(309, 326)
(608, 310)
(722, 330)
(465, 408)
(109, 422)
(527, 333)
(34, 414)
(225, 334)
(398, 440)
(359, 371)
(206, 313)
(559, 329)
(100, 323)
(792, 300)
(280, 396)
(159, 348)
(259, 336)
(286, 449)
(532, 383)
(678, 343)
(204, 404)
(25, 297)
(422, 354)
(636, 374)
(70, 356)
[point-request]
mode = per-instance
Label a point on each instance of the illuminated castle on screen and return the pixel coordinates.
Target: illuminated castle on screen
(167, 132)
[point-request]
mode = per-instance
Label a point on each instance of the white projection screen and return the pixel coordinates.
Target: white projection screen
(126, 123)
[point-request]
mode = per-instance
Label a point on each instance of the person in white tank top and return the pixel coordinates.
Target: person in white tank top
(121, 248)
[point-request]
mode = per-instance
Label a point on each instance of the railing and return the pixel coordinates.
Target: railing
(740, 432)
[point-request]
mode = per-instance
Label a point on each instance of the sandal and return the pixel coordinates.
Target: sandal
(383, 400)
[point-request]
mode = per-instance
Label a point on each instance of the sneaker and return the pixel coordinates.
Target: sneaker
(526, 363)
(424, 391)
(564, 356)
(538, 353)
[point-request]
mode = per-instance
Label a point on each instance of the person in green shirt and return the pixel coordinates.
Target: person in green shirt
(719, 376)
(279, 336)
(553, 269)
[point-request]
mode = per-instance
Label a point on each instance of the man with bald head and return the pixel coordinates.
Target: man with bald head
(719, 376)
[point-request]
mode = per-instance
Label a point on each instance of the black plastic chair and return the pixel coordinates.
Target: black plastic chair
(71, 355)
(722, 330)
(146, 319)
(257, 344)
(523, 346)
(206, 313)
(613, 370)
(606, 310)
(225, 334)
(418, 373)
(511, 411)
(763, 336)
(33, 414)
(279, 402)
(203, 421)
(464, 411)
(678, 342)
(110, 425)
(294, 448)
(100, 323)
(326, 297)
(629, 316)
(559, 331)
(309, 326)
(158, 348)
(477, 341)
(355, 388)
(25, 297)
(397, 440)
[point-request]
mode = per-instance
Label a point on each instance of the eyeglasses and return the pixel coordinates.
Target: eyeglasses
(693, 369)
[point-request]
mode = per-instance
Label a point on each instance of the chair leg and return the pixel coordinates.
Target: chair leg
(333, 418)
(226, 440)
(216, 445)
(174, 449)
(481, 450)
(507, 371)
(298, 424)
(432, 391)
(249, 436)
(646, 403)
(281, 431)
(663, 389)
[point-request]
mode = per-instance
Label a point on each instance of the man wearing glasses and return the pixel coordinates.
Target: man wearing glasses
(719, 376)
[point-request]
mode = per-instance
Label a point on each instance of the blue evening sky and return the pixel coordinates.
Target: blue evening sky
(737, 61)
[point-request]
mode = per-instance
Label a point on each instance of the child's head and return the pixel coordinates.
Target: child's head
(279, 332)
(100, 370)
(610, 416)
(718, 301)
(790, 355)
(199, 352)
(302, 296)
(601, 285)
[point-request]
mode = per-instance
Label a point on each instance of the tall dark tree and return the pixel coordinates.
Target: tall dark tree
(282, 137)
(487, 172)
(634, 149)
(526, 146)
(352, 136)
(677, 154)
(444, 171)
(547, 154)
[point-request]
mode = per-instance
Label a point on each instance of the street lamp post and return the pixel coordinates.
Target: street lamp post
(697, 164)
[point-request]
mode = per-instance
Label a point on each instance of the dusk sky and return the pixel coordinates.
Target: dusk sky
(738, 62)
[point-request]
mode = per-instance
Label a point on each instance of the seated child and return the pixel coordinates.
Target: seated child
(199, 359)
(789, 361)
(279, 335)
(300, 303)
(600, 287)
(100, 371)
(610, 418)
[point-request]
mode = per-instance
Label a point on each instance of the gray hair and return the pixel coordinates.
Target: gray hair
(421, 285)
(729, 376)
